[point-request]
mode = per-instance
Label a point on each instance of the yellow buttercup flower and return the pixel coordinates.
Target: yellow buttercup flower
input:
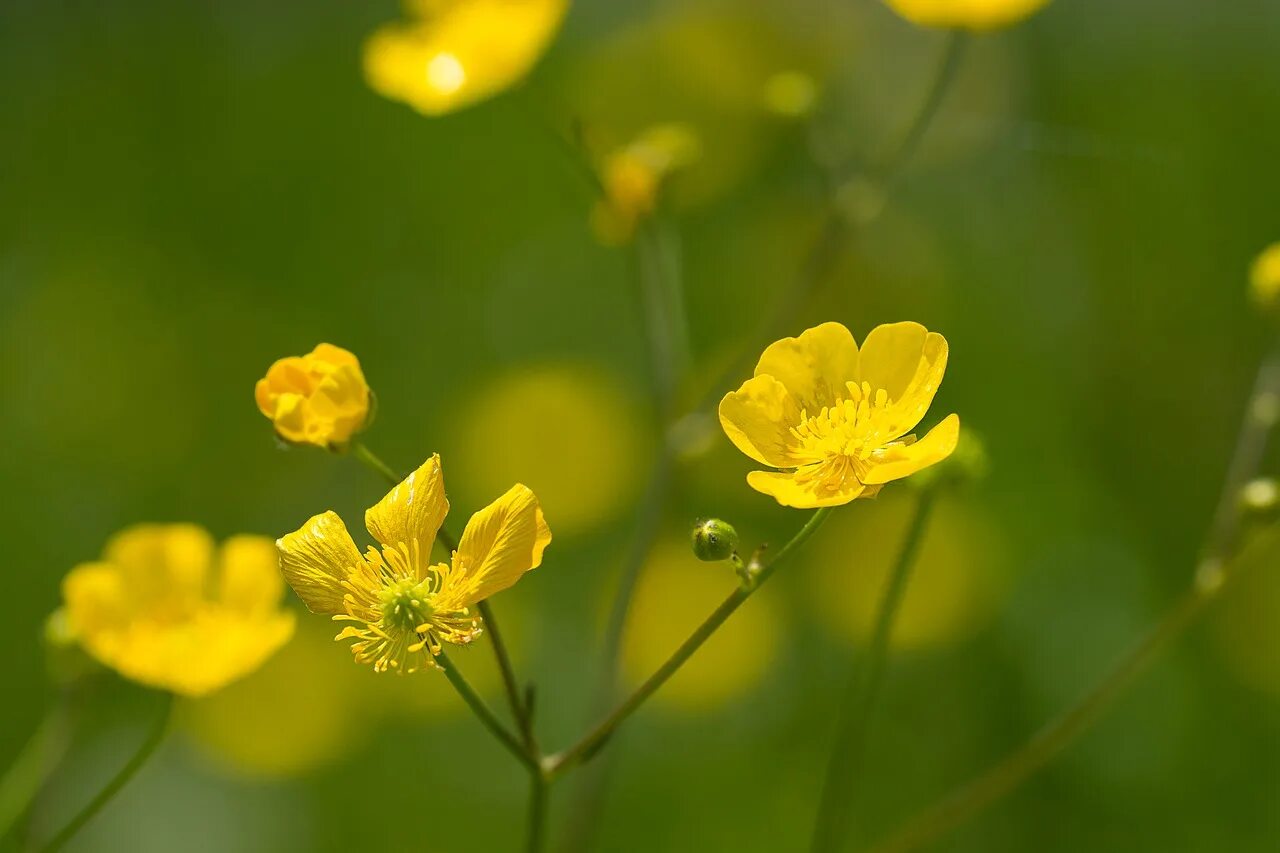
(162, 609)
(459, 51)
(837, 418)
(320, 398)
(633, 175)
(401, 605)
(1264, 277)
(966, 14)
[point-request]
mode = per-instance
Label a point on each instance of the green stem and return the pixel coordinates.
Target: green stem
(1219, 564)
(144, 752)
(24, 778)
(846, 766)
(509, 680)
(537, 828)
(362, 452)
(486, 716)
(557, 764)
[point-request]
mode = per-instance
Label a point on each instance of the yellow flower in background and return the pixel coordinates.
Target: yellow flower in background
(633, 176)
(163, 609)
(674, 594)
(320, 398)
(1264, 277)
(966, 14)
(403, 606)
(459, 51)
(837, 418)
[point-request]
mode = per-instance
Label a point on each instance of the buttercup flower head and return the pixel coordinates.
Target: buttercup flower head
(459, 51)
(966, 14)
(162, 609)
(401, 606)
(837, 418)
(320, 398)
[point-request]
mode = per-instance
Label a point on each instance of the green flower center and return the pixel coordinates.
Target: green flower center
(406, 605)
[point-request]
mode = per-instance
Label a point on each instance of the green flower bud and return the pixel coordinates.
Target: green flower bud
(714, 540)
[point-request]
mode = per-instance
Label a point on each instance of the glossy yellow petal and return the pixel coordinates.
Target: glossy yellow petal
(815, 366)
(321, 398)
(966, 14)
(249, 578)
(501, 542)
(800, 492)
(316, 558)
(412, 511)
(894, 463)
(758, 419)
(908, 362)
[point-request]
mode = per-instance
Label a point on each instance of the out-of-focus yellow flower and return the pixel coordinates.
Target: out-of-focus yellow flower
(402, 605)
(161, 610)
(459, 51)
(674, 594)
(791, 94)
(966, 14)
(633, 176)
(836, 417)
(581, 448)
(319, 398)
(957, 580)
(1264, 277)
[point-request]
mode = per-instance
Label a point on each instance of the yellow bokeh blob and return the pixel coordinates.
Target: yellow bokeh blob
(302, 710)
(568, 432)
(955, 583)
(1246, 629)
(675, 593)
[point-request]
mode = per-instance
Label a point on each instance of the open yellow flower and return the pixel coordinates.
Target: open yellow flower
(320, 398)
(966, 14)
(836, 417)
(161, 610)
(460, 51)
(401, 605)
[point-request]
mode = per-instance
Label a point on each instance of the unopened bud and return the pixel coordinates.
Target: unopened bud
(714, 540)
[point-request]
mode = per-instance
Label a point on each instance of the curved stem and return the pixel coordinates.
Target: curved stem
(483, 712)
(845, 768)
(24, 778)
(944, 75)
(144, 752)
(362, 452)
(1218, 565)
(509, 681)
(593, 740)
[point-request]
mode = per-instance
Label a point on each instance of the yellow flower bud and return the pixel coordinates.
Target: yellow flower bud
(633, 176)
(966, 14)
(320, 398)
(1264, 278)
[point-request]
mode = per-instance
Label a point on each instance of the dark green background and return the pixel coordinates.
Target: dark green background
(191, 190)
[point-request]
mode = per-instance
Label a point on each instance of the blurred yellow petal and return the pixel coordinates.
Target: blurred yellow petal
(316, 558)
(815, 366)
(804, 492)
(460, 52)
(249, 579)
(412, 511)
(758, 418)
(162, 564)
(903, 460)
(501, 542)
(966, 14)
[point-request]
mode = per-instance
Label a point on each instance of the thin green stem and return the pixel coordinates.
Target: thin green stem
(537, 829)
(1219, 565)
(846, 766)
(509, 681)
(362, 452)
(29, 771)
(557, 764)
(144, 752)
(485, 715)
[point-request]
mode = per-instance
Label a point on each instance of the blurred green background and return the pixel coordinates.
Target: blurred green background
(192, 190)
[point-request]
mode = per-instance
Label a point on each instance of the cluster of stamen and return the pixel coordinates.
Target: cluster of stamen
(390, 599)
(837, 445)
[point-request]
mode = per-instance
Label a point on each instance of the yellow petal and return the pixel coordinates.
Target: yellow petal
(249, 579)
(966, 14)
(815, 366)
(790, 491)
(903, 461)
(758, 419)
(412, 511)
(96, 598)
(162, 563)
(501, 542)
(908, 362)
(316, 558)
